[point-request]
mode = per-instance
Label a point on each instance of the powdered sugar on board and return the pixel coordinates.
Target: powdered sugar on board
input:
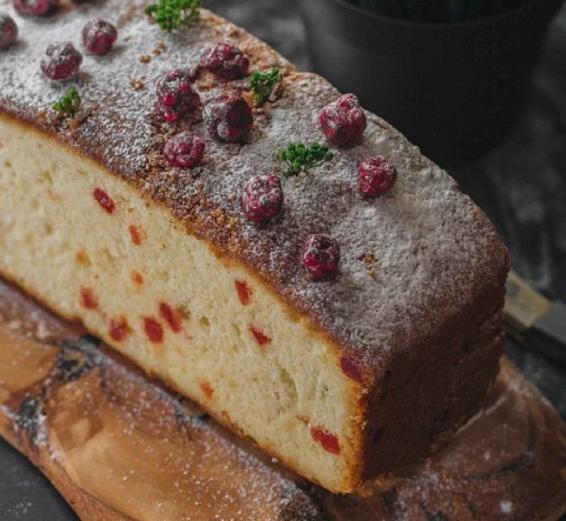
(432, 252)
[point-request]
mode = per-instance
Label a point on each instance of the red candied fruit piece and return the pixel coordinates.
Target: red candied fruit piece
(137, 277)
(104, 200)
(153, 330)
(88, 298)
(260, 338)
(206, 389)
(244, 292)
(329, 442)
(170, 316)
(118, 329)
(135, 234)
(351, 369)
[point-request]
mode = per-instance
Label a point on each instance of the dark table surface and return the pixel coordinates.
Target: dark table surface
(521, 185)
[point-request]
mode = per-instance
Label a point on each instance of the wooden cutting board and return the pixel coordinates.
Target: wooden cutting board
(119, 446)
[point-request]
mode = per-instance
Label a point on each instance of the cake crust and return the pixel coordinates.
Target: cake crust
(416, 264)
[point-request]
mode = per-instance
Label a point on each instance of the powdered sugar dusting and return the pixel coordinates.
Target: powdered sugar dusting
(435, 252)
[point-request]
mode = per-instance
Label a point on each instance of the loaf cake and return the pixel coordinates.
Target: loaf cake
(264, 246)
(96, 428)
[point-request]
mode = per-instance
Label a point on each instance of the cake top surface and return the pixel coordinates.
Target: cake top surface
(410, 260)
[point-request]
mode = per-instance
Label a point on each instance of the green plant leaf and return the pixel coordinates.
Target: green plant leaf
(263, 83)
(299, 157)
(68, 105)
(173, 14)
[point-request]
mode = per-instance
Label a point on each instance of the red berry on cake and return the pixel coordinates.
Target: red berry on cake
(99, 36)
(262, 197)
(225, 61)
(184, 150)
(35, 7)
(228, 117)
(175, 95)
(8, 31)
(376, 176)
(343, 120)
(321, 256)
(61, 62)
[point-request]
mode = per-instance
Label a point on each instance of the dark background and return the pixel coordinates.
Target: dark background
(521, 185)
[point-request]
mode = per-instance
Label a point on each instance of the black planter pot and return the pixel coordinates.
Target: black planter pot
(454, 89)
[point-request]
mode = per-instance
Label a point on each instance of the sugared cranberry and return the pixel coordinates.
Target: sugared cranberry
(184, 150)
(225, 61)
(35, 7)
(343, 120)
(8, 31)
(228, 117)
(262, 197)
(321, 256)
(99, 36)
(175, 95)
(62, 61)
(376, 176)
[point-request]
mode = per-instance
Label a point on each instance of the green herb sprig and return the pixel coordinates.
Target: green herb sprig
(299, 157)
(173, 14)
(263, 83)
(69, 104)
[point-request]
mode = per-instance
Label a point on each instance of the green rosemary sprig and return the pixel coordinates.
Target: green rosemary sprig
(172, 14)
(263, 83)
(299, 157)
(69, 104)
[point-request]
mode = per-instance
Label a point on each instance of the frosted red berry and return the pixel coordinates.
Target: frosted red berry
(8, 31)
(184, 150)
(35, 7)
(99, 36)
(175, 95)
(225, 61)
(228, 117)
(321, 256)
(343, 120)
(62, 61)
(262, 197)
(376, 176)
